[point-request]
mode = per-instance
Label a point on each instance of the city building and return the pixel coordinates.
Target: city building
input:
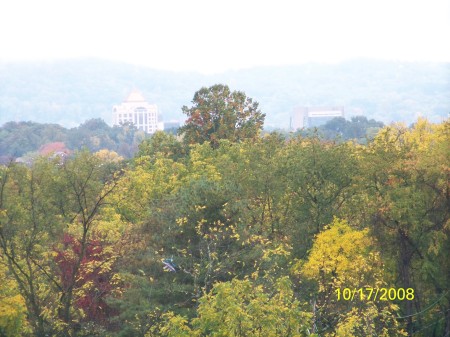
(306, 117)
(136, 110)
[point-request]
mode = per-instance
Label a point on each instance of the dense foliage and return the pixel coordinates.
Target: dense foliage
(249, 238)
(28, 139)
(358, 128)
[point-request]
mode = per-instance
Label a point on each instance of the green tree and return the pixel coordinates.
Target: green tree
(27, 216)
(407, 183)
(217, 113)
(319, 183)
(162, 144)
(18, 138)
(38, 206)
(358, 128)
(242, 308)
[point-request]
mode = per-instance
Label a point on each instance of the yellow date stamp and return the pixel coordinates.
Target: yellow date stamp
(374, 294)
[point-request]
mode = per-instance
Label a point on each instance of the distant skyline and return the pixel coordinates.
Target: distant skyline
(211, 37)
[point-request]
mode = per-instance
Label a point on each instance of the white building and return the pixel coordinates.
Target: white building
(136, 110)
(306, 117)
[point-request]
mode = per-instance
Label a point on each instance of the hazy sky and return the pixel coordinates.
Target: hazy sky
(212, 36)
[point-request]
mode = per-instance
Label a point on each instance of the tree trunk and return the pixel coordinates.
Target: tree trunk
(405, 277)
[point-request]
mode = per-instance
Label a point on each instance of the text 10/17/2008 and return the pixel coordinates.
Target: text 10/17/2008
(373, 294)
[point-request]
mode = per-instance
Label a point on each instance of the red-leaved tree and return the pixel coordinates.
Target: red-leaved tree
(95, 277)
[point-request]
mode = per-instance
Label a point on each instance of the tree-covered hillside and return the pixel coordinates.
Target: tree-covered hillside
(260, 237)
(30, 139)
(70, 92)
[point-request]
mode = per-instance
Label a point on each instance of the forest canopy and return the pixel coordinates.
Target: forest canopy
(27, 140)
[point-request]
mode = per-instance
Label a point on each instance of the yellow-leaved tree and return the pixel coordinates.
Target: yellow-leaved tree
(344, 258)
(12, 306)
(241, 308)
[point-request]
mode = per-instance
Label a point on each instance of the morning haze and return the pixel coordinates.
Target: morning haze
(70, 92)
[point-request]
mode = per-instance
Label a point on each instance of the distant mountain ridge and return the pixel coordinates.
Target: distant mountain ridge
(72, 91)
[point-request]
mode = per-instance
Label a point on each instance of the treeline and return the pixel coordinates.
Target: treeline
(358, 128)
(18, 139)
(224, 232)
(28, 139)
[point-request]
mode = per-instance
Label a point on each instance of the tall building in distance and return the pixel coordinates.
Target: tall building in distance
(136, 110)
(306, 117)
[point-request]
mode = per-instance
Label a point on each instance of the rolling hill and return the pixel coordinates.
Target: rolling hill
(70, 92)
